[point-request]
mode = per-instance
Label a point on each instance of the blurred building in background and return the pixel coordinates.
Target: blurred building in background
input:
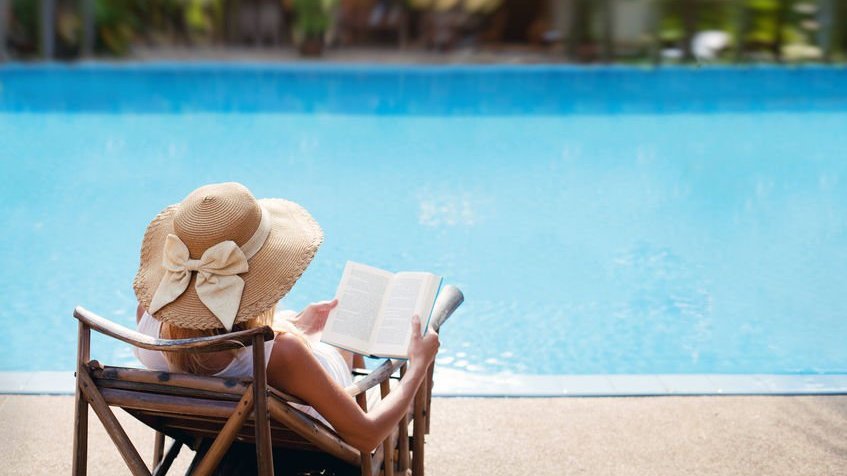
(561, 30)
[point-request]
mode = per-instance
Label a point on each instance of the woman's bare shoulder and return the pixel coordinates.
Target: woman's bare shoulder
(292, 367)
(289, 349)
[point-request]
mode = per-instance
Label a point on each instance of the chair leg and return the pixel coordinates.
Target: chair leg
(80, 435)
(162, 467)
(429, 382)
(227, 435)
(158, 448)
(419, 430)
(80, 464)
(388, 444)
(366, 462)
(111, 424)
(202, 447)
(260, 405)
(403, 445)
(403, 439)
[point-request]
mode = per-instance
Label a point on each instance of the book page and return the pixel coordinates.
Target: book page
(360, 296)
(397, 311)
(407, 295)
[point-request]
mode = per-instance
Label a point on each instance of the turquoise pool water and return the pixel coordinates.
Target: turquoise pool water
(599, 221)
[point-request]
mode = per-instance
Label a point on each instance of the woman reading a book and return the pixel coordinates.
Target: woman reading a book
(220, 261)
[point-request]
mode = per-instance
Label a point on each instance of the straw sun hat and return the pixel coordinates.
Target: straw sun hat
(221, 257)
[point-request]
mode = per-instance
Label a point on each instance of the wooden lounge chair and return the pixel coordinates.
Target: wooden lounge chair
(208, 414)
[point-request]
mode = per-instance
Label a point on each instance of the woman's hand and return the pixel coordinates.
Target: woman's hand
(313, 318)
(422, 349)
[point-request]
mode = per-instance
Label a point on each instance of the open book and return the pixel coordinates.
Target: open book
(375, 309)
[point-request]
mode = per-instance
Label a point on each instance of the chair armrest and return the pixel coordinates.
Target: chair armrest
(449, 299)
(232, 340)
(363, 372)
(377, 376)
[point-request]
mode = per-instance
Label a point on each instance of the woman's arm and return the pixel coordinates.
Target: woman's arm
(295, 370)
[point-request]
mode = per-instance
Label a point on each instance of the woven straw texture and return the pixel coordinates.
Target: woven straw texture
(221, 212)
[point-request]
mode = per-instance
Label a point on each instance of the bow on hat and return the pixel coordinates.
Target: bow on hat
(218, 285)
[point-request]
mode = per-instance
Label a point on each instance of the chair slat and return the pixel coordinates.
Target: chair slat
(157, 419)
(192, 415)
(279, 435)
(168, 403)
(167, 390)
(227, 386)
(232, 340)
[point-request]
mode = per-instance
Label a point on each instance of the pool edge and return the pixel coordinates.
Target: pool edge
(450, 382)
(453, 383)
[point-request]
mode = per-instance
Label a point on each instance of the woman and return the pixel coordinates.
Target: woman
(220, 261)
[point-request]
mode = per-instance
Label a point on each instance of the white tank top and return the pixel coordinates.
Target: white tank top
(242, 364)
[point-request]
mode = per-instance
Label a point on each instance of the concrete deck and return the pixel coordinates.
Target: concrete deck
(767, 435)
(510, 54)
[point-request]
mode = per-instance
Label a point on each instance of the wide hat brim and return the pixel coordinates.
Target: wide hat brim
(290, 246)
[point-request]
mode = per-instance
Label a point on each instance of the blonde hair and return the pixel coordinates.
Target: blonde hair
(193, 362)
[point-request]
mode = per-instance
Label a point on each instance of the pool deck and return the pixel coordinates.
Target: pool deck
(799, 435)
(456, 383)
(506, 54)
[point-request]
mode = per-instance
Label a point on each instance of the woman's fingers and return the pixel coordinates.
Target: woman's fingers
(416, 327)
(327, 307)
(323, 306)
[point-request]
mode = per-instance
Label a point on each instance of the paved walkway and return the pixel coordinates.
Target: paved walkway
(364, 55)
(499, 436)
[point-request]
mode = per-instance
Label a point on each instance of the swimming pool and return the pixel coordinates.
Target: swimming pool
(608, 221)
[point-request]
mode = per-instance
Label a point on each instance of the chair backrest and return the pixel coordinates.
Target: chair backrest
(152, 402)
(232, 340)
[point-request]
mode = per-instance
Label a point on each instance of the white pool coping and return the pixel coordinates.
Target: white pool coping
(456, 383)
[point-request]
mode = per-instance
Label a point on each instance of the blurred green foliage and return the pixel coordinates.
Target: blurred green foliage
(470, 6)
(756, 24)
(117, 23)
(23, 30)
(120, 23)
(312, 17)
